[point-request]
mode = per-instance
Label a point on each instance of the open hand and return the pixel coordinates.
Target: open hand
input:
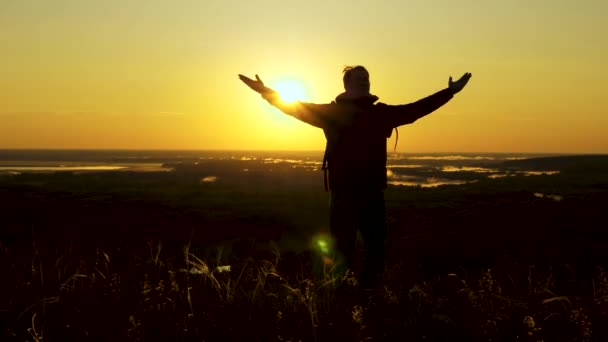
(257, 84)
(458, 85)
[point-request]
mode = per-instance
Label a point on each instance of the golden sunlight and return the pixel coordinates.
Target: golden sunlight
(290, 90)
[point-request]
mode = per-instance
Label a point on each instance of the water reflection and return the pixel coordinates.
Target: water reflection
(538, 173)
(467, 169)
(404, 166)
(498, 174)
(12, 167)
(554, 197)
(62, 168)
(428, 182)
(451, 157)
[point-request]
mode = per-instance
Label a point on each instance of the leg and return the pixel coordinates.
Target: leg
(342, 229)
(373, 231)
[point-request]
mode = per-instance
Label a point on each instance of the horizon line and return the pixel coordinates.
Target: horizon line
(273, 150)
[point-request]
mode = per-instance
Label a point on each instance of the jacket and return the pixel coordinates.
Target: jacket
(357, 130)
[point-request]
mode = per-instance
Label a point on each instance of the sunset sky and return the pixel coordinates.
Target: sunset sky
(154, 74)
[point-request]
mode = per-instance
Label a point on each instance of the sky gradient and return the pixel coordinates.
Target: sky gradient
(163, 75)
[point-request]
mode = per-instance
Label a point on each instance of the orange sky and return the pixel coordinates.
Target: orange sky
(163, 75)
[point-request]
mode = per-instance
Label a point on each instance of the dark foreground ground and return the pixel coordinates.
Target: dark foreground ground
(120, 256)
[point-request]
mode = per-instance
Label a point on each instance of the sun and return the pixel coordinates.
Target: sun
(290, 90)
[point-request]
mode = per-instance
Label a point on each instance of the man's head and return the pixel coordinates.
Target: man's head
(356, 80)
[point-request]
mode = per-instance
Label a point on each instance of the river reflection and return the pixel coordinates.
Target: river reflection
(62, 168)
(20, 167)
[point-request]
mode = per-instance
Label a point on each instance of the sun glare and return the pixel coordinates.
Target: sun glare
(290, 90)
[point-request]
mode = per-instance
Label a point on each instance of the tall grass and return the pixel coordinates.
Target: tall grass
(145, 292)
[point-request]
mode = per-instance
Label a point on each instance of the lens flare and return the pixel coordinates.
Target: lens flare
(323, 246)
(322, 243)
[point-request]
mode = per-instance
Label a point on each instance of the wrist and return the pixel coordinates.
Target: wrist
(269, 94)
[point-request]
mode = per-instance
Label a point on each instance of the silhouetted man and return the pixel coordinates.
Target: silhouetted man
(357, 128)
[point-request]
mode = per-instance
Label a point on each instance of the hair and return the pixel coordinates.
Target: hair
(348, 70)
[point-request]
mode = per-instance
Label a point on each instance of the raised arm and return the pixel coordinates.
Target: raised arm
(318, 115)
(405, 114)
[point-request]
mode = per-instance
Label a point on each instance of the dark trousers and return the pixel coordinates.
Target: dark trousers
(364, 211)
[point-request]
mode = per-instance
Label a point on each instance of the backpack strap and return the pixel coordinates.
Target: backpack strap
(324, 167)
(396, 139)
